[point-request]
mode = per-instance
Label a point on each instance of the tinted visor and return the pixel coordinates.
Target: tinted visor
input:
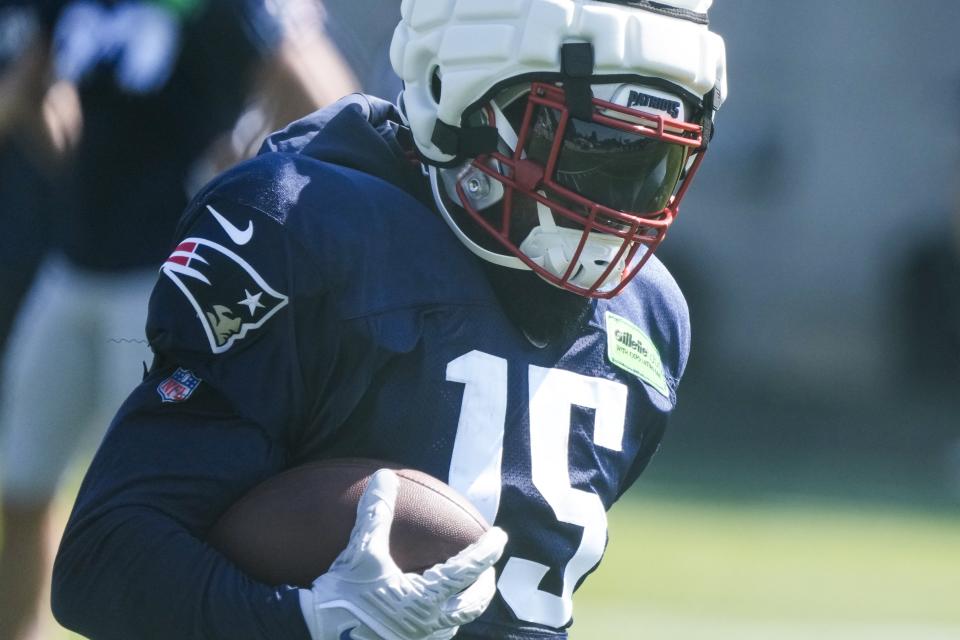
(619, 169)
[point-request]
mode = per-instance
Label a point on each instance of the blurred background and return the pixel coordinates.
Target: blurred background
(819, 253)
(809, 485)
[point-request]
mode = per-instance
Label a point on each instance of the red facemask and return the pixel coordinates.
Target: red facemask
(621, 174)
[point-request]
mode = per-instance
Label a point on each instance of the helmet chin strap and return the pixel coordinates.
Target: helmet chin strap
(553, 247)
(548, 245)
(504, 128)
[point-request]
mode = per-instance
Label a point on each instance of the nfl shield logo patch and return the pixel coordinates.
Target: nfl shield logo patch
(178, 387)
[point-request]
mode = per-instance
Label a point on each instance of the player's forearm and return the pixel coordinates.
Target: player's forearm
(135, 573)
(133, 563)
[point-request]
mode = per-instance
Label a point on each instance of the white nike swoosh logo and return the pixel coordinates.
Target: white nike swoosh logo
(238, 236)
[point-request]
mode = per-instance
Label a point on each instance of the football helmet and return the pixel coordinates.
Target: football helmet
(560, 135)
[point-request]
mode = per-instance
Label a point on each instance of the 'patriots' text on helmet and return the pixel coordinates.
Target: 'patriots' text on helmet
(560, 135)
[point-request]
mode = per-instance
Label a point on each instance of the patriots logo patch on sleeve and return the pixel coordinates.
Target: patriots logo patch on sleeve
(229, 309)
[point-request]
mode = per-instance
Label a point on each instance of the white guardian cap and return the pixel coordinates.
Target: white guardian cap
(560, 135)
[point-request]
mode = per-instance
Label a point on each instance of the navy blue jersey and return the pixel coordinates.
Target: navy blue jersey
(314, 307)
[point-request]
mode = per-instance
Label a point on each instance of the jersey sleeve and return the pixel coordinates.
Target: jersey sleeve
(251, 354)
(133, 562)
(253, 298)
(242, 305)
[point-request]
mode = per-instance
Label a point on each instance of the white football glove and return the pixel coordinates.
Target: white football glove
(365, 596)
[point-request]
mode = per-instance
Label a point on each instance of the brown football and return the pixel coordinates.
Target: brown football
(290, 528)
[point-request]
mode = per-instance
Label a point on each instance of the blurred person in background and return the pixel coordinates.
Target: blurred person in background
(160, 83)
(363, 39)
(39, 121)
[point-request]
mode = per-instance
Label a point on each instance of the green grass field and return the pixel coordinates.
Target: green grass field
(690, 570)
(698, 569)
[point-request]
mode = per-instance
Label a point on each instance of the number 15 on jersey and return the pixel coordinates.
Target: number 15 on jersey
(478, 450)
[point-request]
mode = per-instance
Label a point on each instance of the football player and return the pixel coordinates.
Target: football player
(453, 283)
